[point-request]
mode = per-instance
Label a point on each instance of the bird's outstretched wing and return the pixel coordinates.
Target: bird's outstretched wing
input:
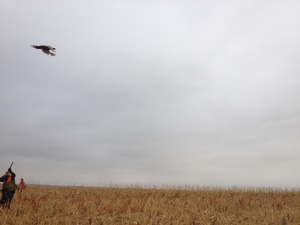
(48, 52)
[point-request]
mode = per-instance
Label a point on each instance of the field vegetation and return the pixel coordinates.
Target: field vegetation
(138, 205)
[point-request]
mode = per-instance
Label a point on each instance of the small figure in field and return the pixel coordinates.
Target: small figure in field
(22, 185)
(45, 48)
(8, 188)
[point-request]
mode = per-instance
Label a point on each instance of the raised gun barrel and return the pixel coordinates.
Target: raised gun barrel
(10, 166)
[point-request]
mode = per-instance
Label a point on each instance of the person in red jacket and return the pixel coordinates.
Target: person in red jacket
(22, 185)
(8, 188)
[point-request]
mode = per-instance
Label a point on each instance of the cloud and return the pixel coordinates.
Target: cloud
(153, 93)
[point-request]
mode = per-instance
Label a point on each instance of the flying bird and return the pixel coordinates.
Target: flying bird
(45, 48)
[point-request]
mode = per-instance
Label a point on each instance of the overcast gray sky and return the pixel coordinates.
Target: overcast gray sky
(151, 92)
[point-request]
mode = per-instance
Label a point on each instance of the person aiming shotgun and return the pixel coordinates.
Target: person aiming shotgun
(9, 187)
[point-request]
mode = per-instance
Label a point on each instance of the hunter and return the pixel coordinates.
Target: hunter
(8, 188)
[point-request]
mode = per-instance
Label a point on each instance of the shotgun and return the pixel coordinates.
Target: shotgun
(9, 169)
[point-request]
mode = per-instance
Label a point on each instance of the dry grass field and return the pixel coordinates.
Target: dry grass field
(139, 205)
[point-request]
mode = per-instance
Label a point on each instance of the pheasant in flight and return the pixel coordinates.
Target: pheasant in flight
(45, 48)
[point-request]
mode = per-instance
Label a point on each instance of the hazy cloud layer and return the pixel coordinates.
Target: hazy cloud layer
(160, 92)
